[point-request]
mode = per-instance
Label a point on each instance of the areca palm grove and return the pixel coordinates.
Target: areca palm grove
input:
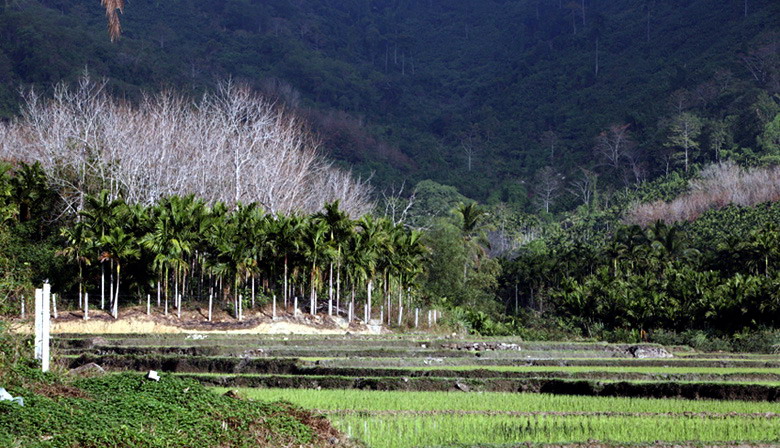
(186, 251)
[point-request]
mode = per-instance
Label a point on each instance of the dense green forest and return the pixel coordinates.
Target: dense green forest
(479, 95)
(622, 154)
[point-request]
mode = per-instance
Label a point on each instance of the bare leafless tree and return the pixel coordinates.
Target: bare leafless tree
(584, 185)
(397, 204)
(613, 145)
(231, 146)
(547, 187)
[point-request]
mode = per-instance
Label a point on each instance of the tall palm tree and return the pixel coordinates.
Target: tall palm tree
(316, 247)
(372, 239)
(120, 248)
(288, 238)
(472, 216)
(101, 214)
(408, 260)
(339, 228)
(78, 243)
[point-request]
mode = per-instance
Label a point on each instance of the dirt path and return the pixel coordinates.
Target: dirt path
(136, 321)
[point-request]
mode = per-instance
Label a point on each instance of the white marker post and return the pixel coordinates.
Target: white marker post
(54, 305)
(42, 325)
(46, 326)
(38, 324)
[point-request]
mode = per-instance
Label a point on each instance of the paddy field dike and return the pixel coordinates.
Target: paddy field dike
(419, 390)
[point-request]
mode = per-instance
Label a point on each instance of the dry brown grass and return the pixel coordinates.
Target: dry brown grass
(113, 9)
(720, 185)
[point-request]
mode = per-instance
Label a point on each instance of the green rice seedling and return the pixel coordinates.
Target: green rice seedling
(497, 401)
(413, 431)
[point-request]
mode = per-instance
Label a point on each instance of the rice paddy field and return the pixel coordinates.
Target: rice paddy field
(422, 391)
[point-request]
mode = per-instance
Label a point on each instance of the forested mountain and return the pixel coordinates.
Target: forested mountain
(489, 96)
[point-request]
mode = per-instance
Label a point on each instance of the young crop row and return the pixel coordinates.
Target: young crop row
(447, 430)
(615, 369)
(497, 401)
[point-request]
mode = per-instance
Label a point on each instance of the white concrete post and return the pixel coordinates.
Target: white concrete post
(86, 306)
(38, 324)
(46, 326)
(23, 307)
(42, 323)
(273, 312)
(416, 317)
(54, 305)
(148, 304)
(211, 303)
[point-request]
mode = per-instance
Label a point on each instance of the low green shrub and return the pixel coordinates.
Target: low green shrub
(758, 341)
(128, 411)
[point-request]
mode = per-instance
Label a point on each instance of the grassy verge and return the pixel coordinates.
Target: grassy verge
(127, 411)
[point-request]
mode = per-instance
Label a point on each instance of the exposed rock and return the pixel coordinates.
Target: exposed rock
(481, 346)
(90, 369)
(94, 342)
(648, 351)
(462, 386)
(232, 394)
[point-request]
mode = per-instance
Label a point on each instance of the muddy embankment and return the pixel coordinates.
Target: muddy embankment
(292, 366)
(691, 391)
(287, 373)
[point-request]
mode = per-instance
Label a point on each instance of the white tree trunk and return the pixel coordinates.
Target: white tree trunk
(116, 296)
(400, 304)
(102, 285)
(330, 291)
(368, 303)
(211, 302)
(338, 288)
(111, 283)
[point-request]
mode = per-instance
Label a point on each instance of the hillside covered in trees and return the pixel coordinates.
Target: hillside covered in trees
(483, 96)
(622, 155)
